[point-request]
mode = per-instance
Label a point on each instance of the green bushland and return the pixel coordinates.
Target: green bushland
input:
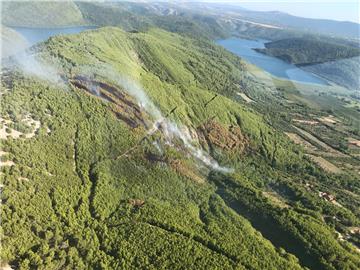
(76, 211)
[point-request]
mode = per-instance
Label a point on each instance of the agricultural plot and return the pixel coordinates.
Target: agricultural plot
(326, 165)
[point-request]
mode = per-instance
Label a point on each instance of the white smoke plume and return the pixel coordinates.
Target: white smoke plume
(137, 92)
(158, 147)
(130, 86)
(173, 130)
(170, 129)
(27, 62)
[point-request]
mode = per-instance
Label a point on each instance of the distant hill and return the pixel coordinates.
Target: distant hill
(322, 26)
(344, 72)
(329, 27)
(336, 62)
(129, 16)
(11, 41)
(204, 19)
(41, 14)
(302, 51)
(143, 16)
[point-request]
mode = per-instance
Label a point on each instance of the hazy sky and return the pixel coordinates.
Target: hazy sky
(347, 10)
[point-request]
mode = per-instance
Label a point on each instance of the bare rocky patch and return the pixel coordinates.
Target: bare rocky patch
(7, 131)
(23, 179)
(245, 97)
(5, 162)
(329, 120)
(354, 142)
(307, 122)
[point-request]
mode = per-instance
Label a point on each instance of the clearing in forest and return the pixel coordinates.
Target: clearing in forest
(354, 142)
(324, 164)
(6, 162)
(325, 146)
(6, 130)
(244, 97)
(300, 141)
(307, 122)
(274, 197)
(329, 119)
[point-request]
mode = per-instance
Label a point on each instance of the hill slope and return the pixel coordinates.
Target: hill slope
(281, 19)
(189, 191)
(336, 62)
(301, 51)
(40, 14)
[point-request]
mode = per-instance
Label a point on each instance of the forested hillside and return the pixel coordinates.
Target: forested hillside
(336, 62)
(40, 14)
(127, 15)
(137, 154)
(302, 51)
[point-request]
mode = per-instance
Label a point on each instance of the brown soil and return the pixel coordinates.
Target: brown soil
(5, 267)
(7, 162)
(229, 138)
(308, 122)
(329, 120)
(16, 134)
(300, 141)
(354, 230)
(353, 141)
(123, 105)
(136, 202)
(245, 97)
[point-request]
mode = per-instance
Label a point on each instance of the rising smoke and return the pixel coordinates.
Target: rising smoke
(170, 129)
(30, 65)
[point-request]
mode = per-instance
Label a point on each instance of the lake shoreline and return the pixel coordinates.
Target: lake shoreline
(248, 50)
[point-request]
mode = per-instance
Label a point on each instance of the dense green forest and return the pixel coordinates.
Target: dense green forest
(93, 188)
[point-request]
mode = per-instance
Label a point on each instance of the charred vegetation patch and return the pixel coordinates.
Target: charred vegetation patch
(153, 157)
(123, 105)
(229, 139)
